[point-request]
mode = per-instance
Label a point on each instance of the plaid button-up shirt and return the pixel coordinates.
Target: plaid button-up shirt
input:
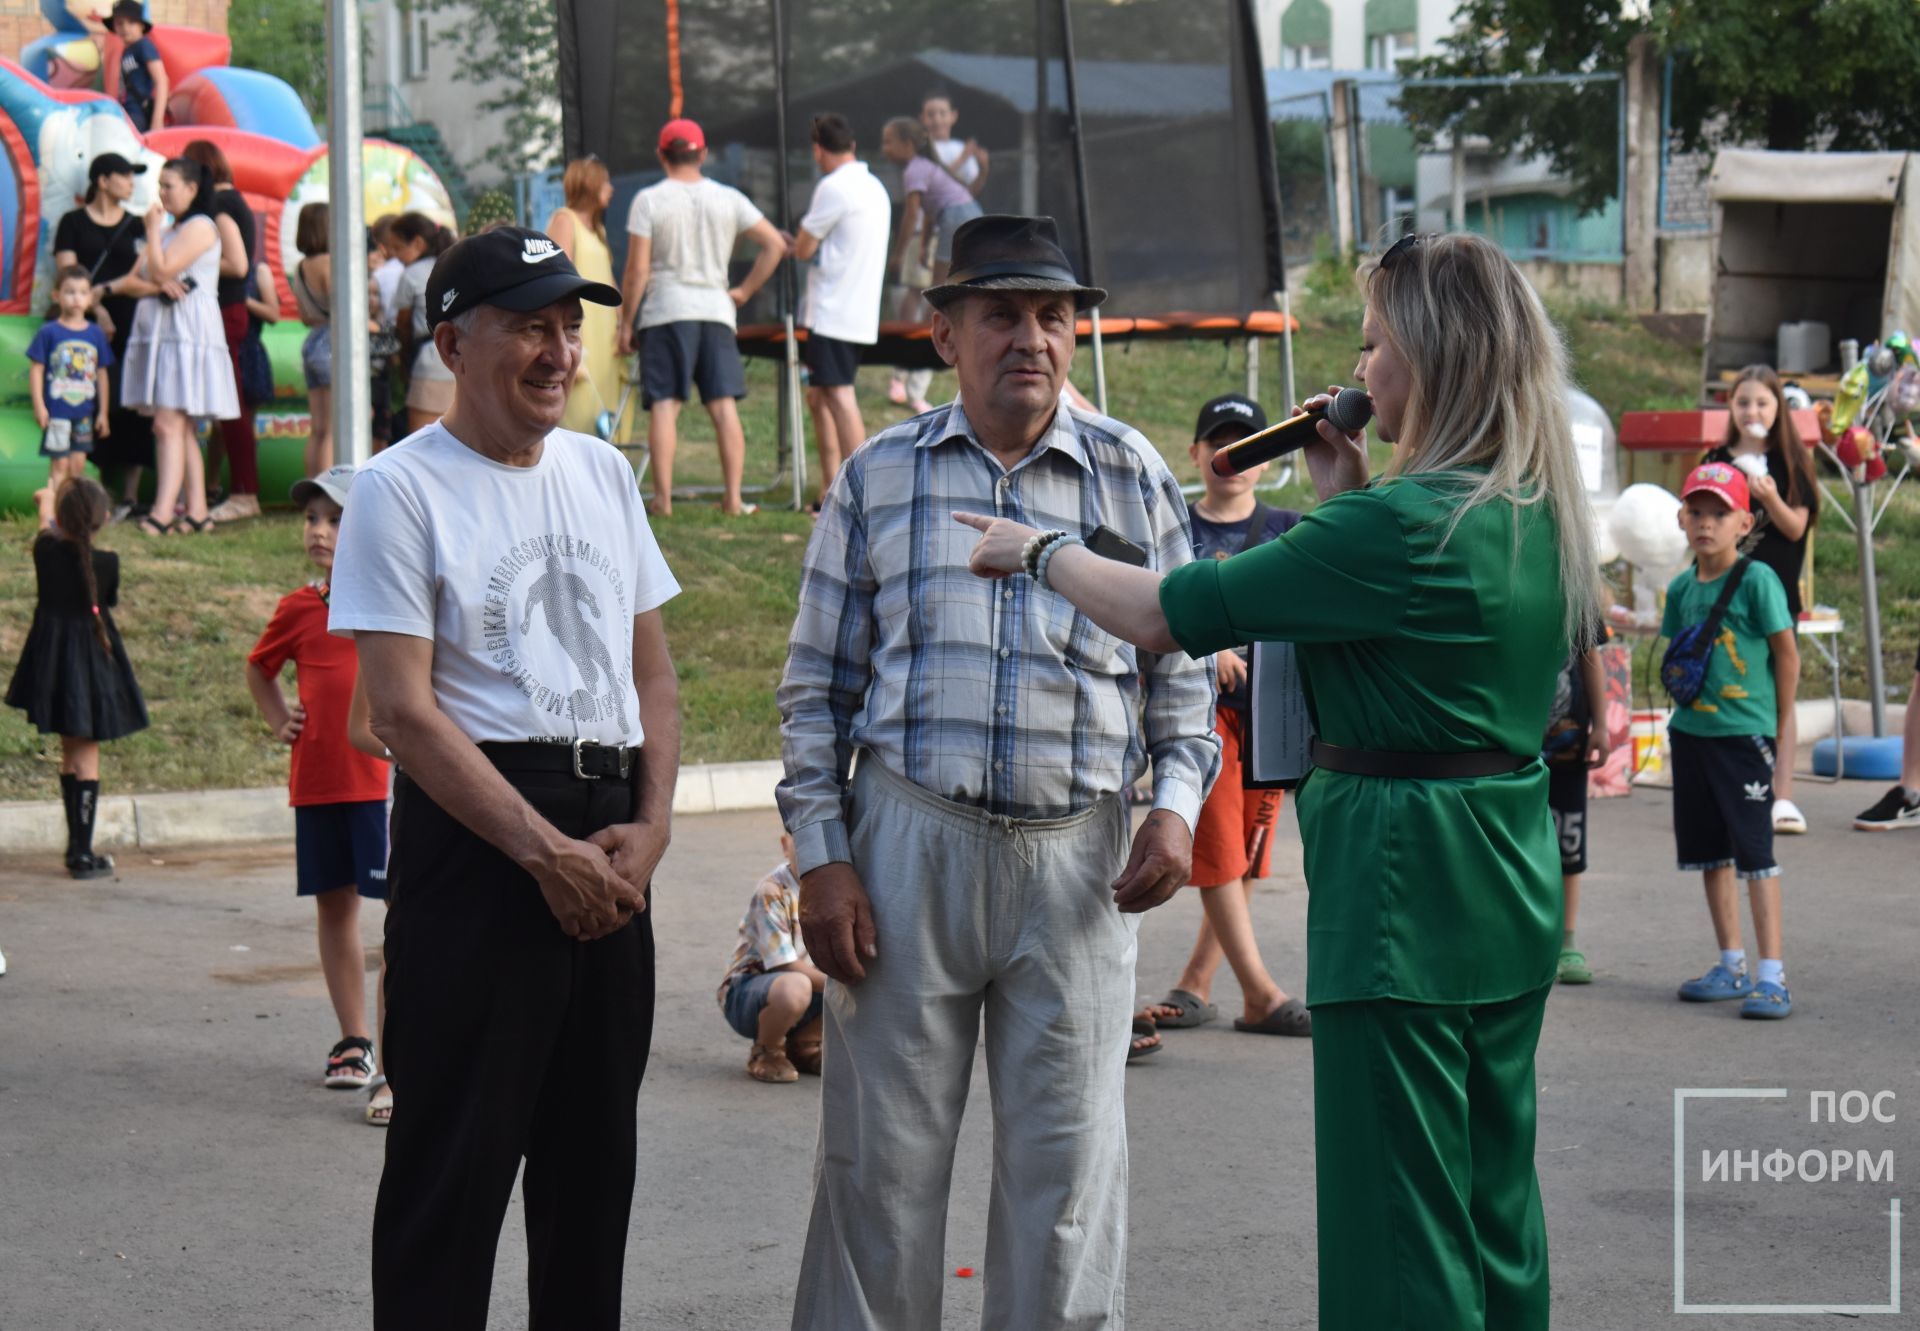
(995, 694)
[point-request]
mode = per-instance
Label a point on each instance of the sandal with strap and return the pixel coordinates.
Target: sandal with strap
(350, 1064)
(380, 1104)
(1189, 1010)
(148, 526)
(804, 1055)
(765, 1063)
(197, 526)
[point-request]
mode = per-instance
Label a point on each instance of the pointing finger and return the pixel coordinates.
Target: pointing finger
(977, 521)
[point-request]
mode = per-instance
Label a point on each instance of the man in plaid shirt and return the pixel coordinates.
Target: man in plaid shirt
(957, 752)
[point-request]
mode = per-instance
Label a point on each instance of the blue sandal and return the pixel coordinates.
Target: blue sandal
(1768, 1002)
(1717, 985)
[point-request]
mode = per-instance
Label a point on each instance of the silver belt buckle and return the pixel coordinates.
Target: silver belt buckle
(579, 771)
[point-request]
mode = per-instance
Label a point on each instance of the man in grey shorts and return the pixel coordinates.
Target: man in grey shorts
(681, 234)
(956, 752)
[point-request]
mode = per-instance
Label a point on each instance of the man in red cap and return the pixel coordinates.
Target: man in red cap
(680, 239)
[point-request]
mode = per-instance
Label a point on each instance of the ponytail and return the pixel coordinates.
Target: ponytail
(80, 509)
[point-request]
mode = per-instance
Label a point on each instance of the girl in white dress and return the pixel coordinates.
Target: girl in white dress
(176, 366)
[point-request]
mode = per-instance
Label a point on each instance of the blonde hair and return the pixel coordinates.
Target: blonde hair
(1489, 382)
(582, 182)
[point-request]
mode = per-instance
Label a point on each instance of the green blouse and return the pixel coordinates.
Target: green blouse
(1411, 640)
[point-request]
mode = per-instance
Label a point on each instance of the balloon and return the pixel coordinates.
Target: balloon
(1646, 529)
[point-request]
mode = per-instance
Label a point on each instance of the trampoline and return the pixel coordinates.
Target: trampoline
(1142, 129)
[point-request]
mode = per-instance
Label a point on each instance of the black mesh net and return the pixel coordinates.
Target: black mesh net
(1183, 215)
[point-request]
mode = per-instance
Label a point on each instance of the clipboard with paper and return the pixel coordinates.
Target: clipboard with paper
(1278, 750)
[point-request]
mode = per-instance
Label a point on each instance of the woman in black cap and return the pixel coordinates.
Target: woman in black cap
(103, 237)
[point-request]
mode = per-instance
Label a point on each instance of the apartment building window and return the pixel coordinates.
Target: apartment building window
(1306, 35)
(415, 42)
(1385, 50)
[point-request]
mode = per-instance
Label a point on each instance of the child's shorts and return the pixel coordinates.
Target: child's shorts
(63, 438)
(1234, 836)
(1723, 802)
(341, 845)
(1567, 801)
(747, 998)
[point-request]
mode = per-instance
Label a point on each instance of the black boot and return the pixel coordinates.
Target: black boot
(84, 863)
(70, 796)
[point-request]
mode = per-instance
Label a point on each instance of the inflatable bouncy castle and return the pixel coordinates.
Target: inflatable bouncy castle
(59, 109)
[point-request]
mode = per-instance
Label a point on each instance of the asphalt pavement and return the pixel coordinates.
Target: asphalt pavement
(169, 1159)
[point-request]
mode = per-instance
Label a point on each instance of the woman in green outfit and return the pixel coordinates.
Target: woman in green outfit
(1433, 609)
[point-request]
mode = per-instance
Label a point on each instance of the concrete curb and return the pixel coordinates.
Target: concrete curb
(203, 817)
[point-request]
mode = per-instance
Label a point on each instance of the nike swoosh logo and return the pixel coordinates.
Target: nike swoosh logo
(539, 258)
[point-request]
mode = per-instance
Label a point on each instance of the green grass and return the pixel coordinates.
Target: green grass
(191, 607)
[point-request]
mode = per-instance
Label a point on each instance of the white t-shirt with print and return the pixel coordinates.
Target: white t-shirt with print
(851, 216)
(693, 225)
(526, 579)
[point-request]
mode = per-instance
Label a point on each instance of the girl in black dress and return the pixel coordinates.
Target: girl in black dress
(74, 679)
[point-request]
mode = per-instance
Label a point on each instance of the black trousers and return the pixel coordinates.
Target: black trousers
(505, 1040)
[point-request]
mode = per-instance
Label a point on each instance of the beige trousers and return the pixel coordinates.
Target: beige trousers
(1014, 919)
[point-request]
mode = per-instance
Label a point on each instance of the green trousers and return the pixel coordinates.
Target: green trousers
(1429, 1207)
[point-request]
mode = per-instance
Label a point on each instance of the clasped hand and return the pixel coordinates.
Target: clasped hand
(594, 886)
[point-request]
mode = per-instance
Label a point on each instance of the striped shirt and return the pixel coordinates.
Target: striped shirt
(993, 694)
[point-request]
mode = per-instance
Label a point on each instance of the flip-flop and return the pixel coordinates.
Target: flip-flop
(1193, 1010)
(1141, 1026)
(1290, 1018)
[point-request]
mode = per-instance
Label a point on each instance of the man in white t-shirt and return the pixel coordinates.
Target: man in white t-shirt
(504, 591)
(844, 234)
(680, 238)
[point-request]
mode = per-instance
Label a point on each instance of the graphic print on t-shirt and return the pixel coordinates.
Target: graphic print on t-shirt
(559, 588)
(71, 370)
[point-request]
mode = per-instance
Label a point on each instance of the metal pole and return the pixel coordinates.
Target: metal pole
(1086, 203)
(352, 421)
(1286, 349)
(793, 430)
(1870, 605)
(1253, 367)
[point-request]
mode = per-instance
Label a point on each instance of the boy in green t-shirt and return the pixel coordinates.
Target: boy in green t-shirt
(1723, 740)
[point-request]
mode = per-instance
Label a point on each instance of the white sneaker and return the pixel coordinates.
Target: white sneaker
(1787, 818)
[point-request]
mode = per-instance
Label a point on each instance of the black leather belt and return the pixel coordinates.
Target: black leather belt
(582, 758)
(1416, 766)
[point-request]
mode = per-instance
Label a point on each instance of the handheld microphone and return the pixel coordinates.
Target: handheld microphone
(1350, 411)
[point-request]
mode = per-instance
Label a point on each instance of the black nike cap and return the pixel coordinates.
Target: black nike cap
(512, 267)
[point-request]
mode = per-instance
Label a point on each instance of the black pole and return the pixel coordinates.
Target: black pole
(1079, 146)
(1086, 204)
(789, 447)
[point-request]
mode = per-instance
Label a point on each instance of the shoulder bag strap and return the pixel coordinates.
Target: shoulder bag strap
(1711, 628)
(1256, 526)
(118, 231)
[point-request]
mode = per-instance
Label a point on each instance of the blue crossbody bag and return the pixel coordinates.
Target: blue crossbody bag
(1683, 670)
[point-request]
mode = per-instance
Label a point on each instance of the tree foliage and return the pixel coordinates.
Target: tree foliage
(1783, 74)
(511, 48)
(285, 38)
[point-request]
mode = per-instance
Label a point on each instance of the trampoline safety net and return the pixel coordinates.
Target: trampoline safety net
(1181, 202)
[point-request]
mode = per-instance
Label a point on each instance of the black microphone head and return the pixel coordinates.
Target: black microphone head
(1350, 410)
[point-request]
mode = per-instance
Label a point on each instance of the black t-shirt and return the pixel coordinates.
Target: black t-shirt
(1224, 540)
(1765, 543)
(116, 249)
(228, 202)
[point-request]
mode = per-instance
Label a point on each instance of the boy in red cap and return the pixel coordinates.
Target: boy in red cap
(1723, 737)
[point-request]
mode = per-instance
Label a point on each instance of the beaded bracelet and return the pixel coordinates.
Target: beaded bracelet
(1046, 557)
(1030, 553)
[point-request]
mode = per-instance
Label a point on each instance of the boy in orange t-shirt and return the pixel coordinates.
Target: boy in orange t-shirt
(338, 794)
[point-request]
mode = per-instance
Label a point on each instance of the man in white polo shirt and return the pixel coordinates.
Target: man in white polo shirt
(504, 591)
(845, 235)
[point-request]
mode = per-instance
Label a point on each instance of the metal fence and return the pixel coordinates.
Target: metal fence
(1364, 157)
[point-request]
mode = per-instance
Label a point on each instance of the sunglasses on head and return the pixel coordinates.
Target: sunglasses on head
(1400, 247)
